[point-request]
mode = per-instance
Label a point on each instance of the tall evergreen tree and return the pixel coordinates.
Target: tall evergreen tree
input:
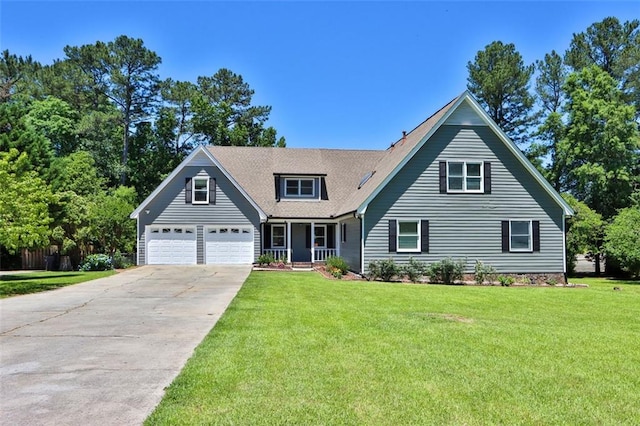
(125, 71)
(615, 48)
(499, 78)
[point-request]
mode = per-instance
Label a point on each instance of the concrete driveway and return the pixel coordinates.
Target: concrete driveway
(102, 352)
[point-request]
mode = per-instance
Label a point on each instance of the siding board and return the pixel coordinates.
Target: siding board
(169, 208)
(467, 225)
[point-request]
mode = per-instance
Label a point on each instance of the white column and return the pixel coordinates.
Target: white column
(338, 236)
(289, 242)
(313, 234)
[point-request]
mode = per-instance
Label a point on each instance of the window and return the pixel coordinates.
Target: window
(294, 187)
(343, 232)
(520, 233)
(408, 235)
(278, 236)
(320, 236)
(464, 176)
(200, 190)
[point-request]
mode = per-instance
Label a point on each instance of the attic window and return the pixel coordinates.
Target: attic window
(365, 178)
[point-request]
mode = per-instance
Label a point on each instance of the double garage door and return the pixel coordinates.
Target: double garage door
(177, 245)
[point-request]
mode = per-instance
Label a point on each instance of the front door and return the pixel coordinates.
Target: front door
(300, 242)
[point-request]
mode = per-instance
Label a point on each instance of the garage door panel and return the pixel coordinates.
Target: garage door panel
(175, 245)
(229, 245)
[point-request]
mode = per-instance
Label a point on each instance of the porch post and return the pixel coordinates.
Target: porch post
(289, 242)
(338, 236)
(313, 234)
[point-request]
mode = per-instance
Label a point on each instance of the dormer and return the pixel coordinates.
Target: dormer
(300, 187)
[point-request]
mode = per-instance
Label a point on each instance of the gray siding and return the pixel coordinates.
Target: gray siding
(350, 250)
(467, 225)
(169, 207)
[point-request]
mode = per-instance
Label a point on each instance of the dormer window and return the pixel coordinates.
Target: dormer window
(299, 187)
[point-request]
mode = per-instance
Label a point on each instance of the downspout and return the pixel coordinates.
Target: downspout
(564, 248)
(362, 243)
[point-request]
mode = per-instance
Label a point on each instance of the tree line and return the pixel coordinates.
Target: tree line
(86, 138)
(579, 125)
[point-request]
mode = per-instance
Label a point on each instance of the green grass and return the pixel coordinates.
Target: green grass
(294, 348)
(35, 282)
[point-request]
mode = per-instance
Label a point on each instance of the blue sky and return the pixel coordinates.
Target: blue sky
(337, 74)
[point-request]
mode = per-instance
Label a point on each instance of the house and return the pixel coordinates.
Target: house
(455, 186)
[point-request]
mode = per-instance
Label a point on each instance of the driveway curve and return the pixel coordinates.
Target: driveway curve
(103, 351)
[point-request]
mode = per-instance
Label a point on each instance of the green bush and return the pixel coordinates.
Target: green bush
(414, 270)
(622, 240)
(336, 266)
(266, 259)
(446, 271)
(506, 280)
(336, 262)
(384, 270)
(120, 261)
(484, 272)
(96, 262)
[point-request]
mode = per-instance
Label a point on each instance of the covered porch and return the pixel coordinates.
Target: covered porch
(299, 241)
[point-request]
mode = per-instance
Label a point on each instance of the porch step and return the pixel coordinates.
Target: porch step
(305, 265)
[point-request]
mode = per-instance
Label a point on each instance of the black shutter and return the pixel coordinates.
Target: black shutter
(424, 236)
(331, 236)
(267, 236)
(535, 226)
(308, 236)
(212, 191)
(505, 236)
(323, 189)
(443, 177)
(393, 246)
(487, 177)
(277, 186)
(187, 190)
(343, 232)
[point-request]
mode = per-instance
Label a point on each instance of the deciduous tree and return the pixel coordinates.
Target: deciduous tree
(622, 240)
(600, 148)
(24, 200)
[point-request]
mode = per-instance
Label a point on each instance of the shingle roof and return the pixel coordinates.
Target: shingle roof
(254, 169)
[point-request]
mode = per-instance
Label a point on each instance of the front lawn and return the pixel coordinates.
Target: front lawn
(295, 348)
(35, 282)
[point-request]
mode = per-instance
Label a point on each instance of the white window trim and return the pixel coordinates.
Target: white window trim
(464, 177)
(299, 180)
(343, 233)
(529, 249)
(418, 243)
(193, 190)
(284, 234)
(324, 228)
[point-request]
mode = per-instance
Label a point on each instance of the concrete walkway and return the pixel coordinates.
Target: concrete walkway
(102, 352)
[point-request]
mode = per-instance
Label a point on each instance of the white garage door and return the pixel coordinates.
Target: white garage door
(171, 245)
(229, 245)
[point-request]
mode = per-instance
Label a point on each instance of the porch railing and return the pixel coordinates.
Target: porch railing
(278, 254)
(321, 254)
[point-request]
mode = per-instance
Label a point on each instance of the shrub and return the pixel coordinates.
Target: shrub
(266, 259)
(120, 261)
(414, 270)
(385, 270)
(506, 280)
(484, 272)
(446, 271)
(622, 241)
(96, 262)
(336, 262)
